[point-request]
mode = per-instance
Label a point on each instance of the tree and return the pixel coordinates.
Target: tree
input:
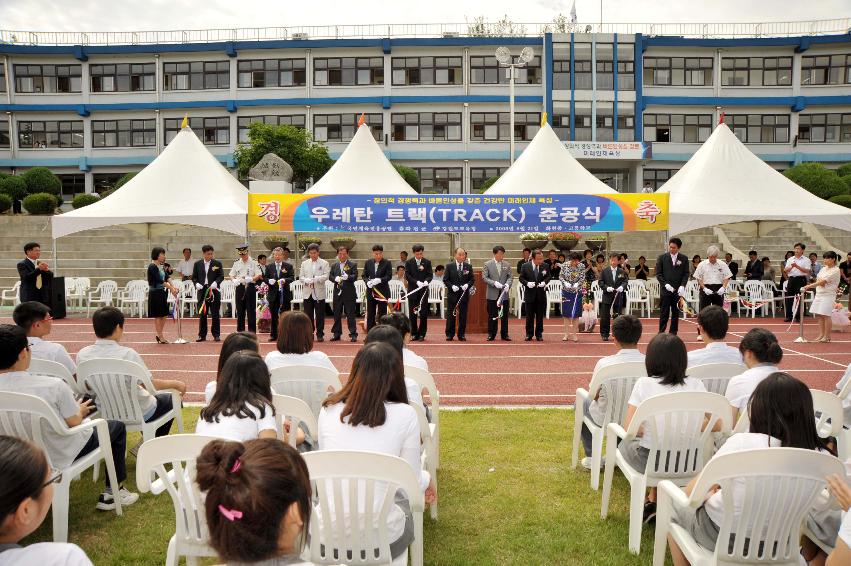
(478, 27)
(842, 200)
(14, 187)
(844, 170)
(42, 180)
(817, 179)
(294, 145)
(40, 203)
(845, 179)
(123, 180)
(410, 175)
(486, 184)
(84, 199)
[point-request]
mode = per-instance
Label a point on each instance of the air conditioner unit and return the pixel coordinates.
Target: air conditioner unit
(450, 34)
(301, 35)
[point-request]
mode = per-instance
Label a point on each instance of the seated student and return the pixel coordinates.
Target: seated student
(371, 412)
(846, 401)
(666, 363)
(62, 450)
(295, 344)
(256, 501)
(713, 322)
(626, 331)
(389, 334)
(761, 354)
(401, 323)
(35, 319)
(108, 323)
(781, 414)
(842, 550)
(234, 342)
(26, 492)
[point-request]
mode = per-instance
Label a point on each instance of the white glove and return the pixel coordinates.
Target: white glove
(681, 291)
(272, 281)
(542, 284)
(248, 279)
(376, 281)
(708, 291)
(344, 276)
(455, 288)
(722, 291)
(610, 289)
(530, 284)
(567, 285)
(338, 279)
(214, 286)
(370, 283)
(575, 287)
(464, 286)
(199, 286)
(422, 283)
(669, 288)
(309, 280)
(620, 288)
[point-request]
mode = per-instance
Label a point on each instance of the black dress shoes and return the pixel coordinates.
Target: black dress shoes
(201, 340)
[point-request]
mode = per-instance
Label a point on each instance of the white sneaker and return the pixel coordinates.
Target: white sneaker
(106, 502)
(586, 463)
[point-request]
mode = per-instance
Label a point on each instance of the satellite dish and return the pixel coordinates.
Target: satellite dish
(527, 54)
(503, 56)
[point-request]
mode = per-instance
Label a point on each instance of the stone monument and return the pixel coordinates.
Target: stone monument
(271, 175)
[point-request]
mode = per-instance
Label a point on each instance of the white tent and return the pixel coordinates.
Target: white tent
(362, 169)
(725, 183)
(184, 185)
(546, 167)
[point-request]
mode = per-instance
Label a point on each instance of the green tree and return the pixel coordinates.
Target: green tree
(817, 179)
(14, 187)
(123, 180)
(84, 199)
(486, 184)
(842, 200)
(845, 179)
(294, 145)
(844, 170)
(410, 175)
(42, 180)
(5, 202)
(40, 203)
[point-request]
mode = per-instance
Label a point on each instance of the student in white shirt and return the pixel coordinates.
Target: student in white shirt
(295, 344)
(780, 398)
(388, 331)
(371, 412)
(35, 319)
(26, 492)
(761, 353)
(409, 357)
(234, 342)
(713, 322)
(626, 331)
(256, 501)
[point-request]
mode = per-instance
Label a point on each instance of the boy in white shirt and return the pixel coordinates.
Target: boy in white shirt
(35, 319)
(713, 322)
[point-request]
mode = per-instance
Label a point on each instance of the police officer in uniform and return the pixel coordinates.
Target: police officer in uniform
(245, 273)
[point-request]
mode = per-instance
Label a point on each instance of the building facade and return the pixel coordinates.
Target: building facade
(438, 104)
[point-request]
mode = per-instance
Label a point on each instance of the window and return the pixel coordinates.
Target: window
(494, 126)
(2, 77)
(348, 71)
(426, 126)
(48, 78)
(427, 71)
(561, 126)
(342, 127)
(658, 177)
(126, 77)
(266, 73)
(124, 133)
(756, 71)
(4, 131)
(626, 121)
(72, 185)
(626, 66)
(678, 71)
(605, 121)
(212, 131)
(290, 120)
(605, 66)
(486, 71)
(760, 128)
(197, 75)
(582, 75)
(479, 175)
(561, 67)
(52, 134)
(106, 181)
(826, 70)
(677, 128)
(582, 121)
(440, 180)
(824, 128)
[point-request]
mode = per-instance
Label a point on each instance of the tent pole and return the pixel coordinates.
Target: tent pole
(55, 257)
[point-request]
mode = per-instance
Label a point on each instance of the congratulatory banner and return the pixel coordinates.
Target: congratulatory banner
(457, 213)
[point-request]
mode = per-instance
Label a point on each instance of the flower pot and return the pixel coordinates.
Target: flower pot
(596, 245)
(348, 242)
(272, 242)
(566, 245)
(534, 244)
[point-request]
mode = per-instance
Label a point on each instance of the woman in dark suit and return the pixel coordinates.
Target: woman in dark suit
(158, 287)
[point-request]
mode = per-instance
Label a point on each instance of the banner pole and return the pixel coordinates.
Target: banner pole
(179, 307)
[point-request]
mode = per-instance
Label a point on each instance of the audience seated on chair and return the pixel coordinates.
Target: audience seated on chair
(841, 554)
(761, 353)
(257, 501)
(62, 451)
(403, 324)
(391, 332)
(108, 323)
(295, 344)
(371, 413)
(713, 322)
(846, 401)
(234, 342)
(35, 319)
(26, 492)
(626, 331)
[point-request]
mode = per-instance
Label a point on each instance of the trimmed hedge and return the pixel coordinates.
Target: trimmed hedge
(847, 180)
(42, 180)
(817, 179)
(40, 203)
(842, 200)
(5, 203)
(84, 199)
(13, 187)
(844, 170)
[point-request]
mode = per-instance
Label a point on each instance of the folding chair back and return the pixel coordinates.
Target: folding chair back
(716, 376)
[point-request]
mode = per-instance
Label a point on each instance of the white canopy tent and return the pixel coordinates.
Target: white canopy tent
(546, 167)
(362, 169)
(724, 183)
(184, 185)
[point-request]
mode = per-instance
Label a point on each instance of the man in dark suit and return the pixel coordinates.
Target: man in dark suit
(613, 282)
(458, 279)
(672, 274)
(734, 267)
(534, 276)
(418, 274)
(208, 274)
(754, 268)
(527, 254)
(344, 273)
(35, 275)
(377, 274)
(279, 276)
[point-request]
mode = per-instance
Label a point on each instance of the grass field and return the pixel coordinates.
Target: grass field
(507, 496)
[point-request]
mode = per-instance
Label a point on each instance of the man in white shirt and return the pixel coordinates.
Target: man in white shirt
(626, 331)
(185, 265)
(797, 270)
(314, 274)
(712, 277)
(713, 322)
(35, 319)
(63, 450)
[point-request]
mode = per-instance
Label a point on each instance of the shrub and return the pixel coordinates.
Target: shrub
(5, 203)
(845, 179)
(841, 200)
(123, 180)
(817, 179)
(486, 184)
(106, 193)
(844, 170)
(409, 175)
(42, 180)
(13, 187)
(84, 199)
(40, 203)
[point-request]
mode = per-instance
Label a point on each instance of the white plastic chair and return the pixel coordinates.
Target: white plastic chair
(397, 290)
(427, 450)
(329, 293)
(436, 295)
(102, 295)
(692, 296)
(753, 294)
(360, 294)
(228, 295)
(654, 290)
(636, 294)
(553, 294)
(188, 294)
(13, 294)
(71, 291)
(115, 383)
(616, 382)
(829, 419)
(133, 297)
(293, 411)
(781, 485)
(25, 416)
(677, 453)
(179, 452)
(715, 377)
(345, 478)
(297, 288)
(519, 299)
(425, 381)
(598, 295)
(311, 384)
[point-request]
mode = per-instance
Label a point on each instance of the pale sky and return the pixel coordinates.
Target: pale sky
(123, 15)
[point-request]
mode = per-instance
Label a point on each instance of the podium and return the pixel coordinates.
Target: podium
(54, 297)
(477, 309)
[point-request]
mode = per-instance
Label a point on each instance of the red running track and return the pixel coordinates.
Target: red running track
(475, 373)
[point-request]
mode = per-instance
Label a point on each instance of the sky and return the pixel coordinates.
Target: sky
(124, 15)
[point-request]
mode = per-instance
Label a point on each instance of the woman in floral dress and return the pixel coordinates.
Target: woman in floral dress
(572, 277)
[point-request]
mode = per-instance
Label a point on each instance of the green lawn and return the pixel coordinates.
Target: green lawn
(507, 496)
